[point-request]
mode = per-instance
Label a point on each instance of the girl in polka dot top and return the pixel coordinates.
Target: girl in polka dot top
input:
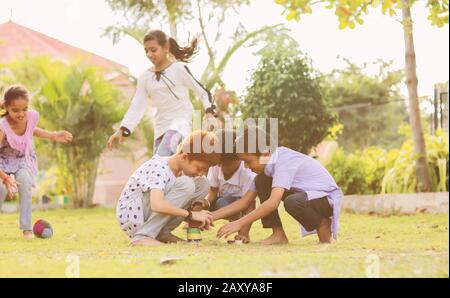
(157, 196)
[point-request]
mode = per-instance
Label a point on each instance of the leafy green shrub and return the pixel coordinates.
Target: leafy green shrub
(285, 86)
(401, 177)
(375, 170)
(349, 172)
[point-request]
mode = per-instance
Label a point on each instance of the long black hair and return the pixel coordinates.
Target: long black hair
(180, 53)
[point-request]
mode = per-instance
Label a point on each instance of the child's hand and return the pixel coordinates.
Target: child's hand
(63, 137)
(116, 137)
(229, 229)
(10, 184)
(200, 203)
(204, 217)
(197, 224)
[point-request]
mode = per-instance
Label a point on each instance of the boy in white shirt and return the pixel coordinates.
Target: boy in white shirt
(231, 188)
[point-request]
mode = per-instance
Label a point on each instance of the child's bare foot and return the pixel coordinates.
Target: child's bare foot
(169, 238)
(278, 237)
(324, 231)
(28, 235)
(147, 241)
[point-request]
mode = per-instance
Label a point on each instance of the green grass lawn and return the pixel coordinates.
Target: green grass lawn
(407, 246)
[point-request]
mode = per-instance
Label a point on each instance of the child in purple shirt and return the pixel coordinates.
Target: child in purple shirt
(308, 191)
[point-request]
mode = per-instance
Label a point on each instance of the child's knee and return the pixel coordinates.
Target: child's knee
(262, 180)
(263, 185)
(185, 184)
(295, 202)
(201, 187)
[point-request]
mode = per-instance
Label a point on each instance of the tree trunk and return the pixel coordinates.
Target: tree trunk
(78, 176)
(423, 177)
(92, 177)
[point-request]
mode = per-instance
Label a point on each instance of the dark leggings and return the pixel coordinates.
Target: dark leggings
(307, 212)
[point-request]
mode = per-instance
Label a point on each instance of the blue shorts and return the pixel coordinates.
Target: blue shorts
(222, 202)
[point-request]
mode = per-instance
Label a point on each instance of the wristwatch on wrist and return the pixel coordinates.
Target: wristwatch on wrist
(125, 131)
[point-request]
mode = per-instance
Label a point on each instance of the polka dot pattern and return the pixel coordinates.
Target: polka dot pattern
(155, 173)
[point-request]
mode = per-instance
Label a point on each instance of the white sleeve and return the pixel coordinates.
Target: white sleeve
(190, 82)
(138, 105)
(212, 177)
(249, 182)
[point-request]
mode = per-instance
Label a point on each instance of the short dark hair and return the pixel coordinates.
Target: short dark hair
(226, 138)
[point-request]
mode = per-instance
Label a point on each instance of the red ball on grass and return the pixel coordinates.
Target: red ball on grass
(42, 229)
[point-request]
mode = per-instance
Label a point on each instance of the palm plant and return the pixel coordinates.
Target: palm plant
(78, 99)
